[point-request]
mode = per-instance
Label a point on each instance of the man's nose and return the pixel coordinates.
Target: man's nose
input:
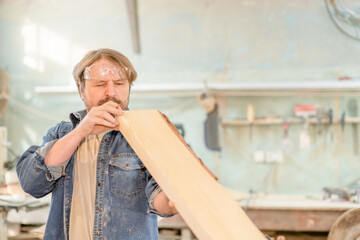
(110, 89)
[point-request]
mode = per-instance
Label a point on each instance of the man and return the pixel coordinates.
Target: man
(100, 188)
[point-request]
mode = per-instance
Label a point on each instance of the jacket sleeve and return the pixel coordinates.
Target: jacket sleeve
(36, 178)
(152, 189)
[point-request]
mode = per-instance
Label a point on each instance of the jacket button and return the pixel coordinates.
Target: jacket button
(97, 233)
(68, 201)
(98, 208)
(102, 160)
(68, 177)
(99, 184)
(67, 226)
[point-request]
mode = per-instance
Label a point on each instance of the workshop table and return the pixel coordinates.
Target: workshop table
(287, 213)
(295, 212)
(17, 207)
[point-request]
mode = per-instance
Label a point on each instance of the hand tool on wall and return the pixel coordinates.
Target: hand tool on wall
(305, 111)
(330, 115)
(211, 124)
(286, 142)
(211, 127)
(353, 112)
(319, 125)
(250, 118)
(342, 124)
(305, 139)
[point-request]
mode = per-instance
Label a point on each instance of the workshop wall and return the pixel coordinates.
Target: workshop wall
(193, 42)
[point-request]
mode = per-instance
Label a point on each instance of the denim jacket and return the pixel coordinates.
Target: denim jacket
(125, 190)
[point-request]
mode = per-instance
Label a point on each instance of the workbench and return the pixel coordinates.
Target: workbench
(16, 208)
(280, 213)
(269, 212)
(295, 212)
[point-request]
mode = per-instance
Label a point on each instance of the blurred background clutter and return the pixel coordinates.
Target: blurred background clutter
(266, 93)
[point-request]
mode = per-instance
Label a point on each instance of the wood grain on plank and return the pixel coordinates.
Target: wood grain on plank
(204, 204)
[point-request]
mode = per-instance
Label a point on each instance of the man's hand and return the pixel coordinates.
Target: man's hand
(163, 205)
(99, 119)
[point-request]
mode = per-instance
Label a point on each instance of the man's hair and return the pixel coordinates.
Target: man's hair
(102, 53)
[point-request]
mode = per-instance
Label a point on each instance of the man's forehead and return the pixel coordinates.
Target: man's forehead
(105, 71)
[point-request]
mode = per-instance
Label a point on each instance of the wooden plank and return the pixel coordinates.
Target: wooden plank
(204, 204)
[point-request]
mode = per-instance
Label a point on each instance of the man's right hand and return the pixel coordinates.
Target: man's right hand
(99, 119)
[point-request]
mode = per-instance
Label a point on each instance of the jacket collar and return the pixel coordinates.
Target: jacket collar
(76, 117)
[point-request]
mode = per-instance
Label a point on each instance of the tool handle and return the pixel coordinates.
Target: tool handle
(250, 113)
(286, 128)
(342, 121)
(330, 114)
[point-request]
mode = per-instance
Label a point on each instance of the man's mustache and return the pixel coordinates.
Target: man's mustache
(102, 101)
(105, 100)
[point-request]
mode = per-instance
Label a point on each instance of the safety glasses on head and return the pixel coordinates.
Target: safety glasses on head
(101, 71)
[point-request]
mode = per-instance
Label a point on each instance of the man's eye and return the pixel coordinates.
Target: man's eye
(119, 83)
(100, 85)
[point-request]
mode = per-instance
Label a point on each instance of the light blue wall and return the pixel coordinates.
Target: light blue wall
(191, 42)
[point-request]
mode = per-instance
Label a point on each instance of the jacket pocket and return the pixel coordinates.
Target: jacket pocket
(127, 175)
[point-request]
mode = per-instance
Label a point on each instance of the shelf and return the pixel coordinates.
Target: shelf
(275, 89)
(275, 121)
